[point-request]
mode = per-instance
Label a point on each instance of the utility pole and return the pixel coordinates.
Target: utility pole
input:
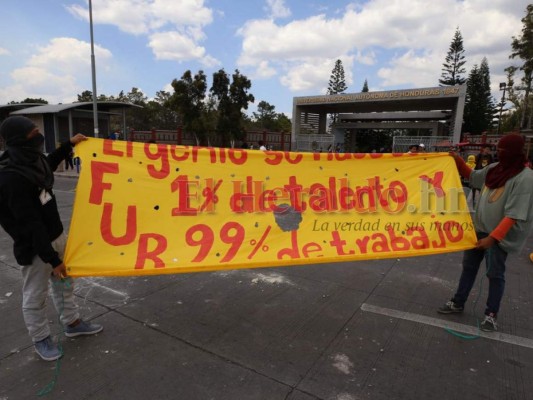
(93, 70)
(503, 86)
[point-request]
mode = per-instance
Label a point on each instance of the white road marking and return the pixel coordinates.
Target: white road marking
(91, 282)
(64, 191)
(470, 330)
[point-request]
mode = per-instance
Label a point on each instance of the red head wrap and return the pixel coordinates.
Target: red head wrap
(511, 161)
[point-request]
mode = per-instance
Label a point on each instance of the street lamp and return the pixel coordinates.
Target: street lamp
(503, 86)
(93, 70)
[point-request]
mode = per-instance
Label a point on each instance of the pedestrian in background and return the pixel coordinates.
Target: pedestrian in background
(69, 161)
(413, 149)
(29, 214)
(503, 218)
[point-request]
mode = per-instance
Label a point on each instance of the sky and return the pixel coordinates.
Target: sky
(286, 48)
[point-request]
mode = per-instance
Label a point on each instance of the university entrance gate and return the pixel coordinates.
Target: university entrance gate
(437, 110)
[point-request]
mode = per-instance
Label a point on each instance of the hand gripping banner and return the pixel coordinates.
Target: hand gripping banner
(144, 208)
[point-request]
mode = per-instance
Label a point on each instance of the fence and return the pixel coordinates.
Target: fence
(315, 143)
(400, 144)
(273, 140)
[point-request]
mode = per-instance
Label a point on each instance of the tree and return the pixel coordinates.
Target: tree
(265, 116)
(365, 87)
(337, 84)
(511, 120)
(522, 48)
(137, 118)
(453, 66)
(30, 100)
(231, 100)
(188, 100)
(479, 104)
(87, 96)
(163, 115)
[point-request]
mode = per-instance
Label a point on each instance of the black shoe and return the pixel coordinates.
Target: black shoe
(489, 324)
(450, 308)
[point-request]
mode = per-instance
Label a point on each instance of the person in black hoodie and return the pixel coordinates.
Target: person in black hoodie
(29, 214)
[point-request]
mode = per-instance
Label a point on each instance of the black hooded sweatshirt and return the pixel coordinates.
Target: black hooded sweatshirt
(28, 211)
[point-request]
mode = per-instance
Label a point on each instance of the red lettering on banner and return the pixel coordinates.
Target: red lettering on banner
(422, 241)
(295, 190)
(339, 244)
(293, 252)
(318, 197)
(346, 198)
(242, 156)
(279, 156)
(380, 244)
(252, 198)
(442, 243)
(449, 227)
(397, 192)
(161, 154)
(174, 152)
(143, 254)
(362, 244)
(209, 194)
(436, 181)
(131, 226)
(398, 243)
(109, 149)
(215, 154)
(450, 231)
(182, 185)
(205, 241)
(362, 206)
(98, 169)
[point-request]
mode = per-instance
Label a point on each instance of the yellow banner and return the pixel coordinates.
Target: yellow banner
(160, 209)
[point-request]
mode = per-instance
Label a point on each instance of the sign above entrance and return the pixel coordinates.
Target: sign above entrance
(452, 91)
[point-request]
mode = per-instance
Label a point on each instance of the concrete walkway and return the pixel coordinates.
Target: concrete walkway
(346, 331)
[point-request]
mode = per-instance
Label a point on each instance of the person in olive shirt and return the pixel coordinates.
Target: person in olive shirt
(503, 218)
(29, 214)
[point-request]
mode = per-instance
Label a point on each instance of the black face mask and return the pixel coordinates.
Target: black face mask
(36, 142)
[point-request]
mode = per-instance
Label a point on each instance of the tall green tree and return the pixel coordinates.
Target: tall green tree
(188, 100)
(453, 67)
(522, 49)
(365, 87)
(231, 99)
(337, 82)
(479, 104)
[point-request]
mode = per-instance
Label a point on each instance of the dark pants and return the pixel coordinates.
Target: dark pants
(495, 261)
(68, 163)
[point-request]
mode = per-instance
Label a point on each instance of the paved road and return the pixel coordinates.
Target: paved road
(346, 331)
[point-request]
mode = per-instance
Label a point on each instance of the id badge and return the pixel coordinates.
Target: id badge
(45, 197)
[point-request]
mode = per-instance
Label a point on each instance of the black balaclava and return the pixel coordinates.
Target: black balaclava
(25, 156)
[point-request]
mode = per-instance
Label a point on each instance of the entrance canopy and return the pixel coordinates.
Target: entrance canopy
(406, 107)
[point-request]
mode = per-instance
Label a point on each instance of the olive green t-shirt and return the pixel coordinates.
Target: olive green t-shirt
(513, 200)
